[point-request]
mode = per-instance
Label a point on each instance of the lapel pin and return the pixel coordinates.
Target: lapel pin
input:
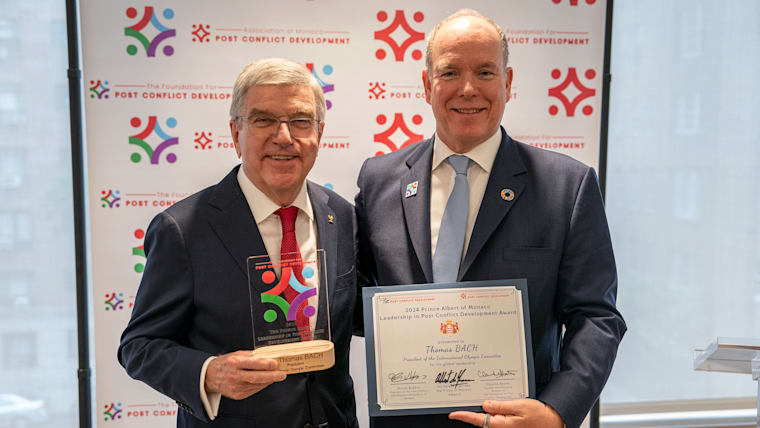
(411, 189)
(507, 194)
(330, 218)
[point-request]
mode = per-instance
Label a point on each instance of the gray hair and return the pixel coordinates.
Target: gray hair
(459, 14)
(275, 71)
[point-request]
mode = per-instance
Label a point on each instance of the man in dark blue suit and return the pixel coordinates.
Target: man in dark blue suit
(473, 204)
(190, 335)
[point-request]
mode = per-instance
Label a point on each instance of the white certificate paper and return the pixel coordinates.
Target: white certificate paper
(445, 348)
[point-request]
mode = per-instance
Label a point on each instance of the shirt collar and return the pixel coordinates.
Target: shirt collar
(261, 206)
(483, 154)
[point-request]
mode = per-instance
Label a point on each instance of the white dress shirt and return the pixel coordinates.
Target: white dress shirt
(270, 228)
(442, 183)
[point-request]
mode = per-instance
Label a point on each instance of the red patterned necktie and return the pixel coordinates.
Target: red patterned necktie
(290, 251)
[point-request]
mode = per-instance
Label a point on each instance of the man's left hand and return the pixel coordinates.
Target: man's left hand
(516, 413)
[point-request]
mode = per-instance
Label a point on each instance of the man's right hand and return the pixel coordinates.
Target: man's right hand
(239, 374)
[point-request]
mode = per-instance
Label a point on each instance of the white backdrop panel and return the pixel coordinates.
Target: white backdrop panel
(159, 77)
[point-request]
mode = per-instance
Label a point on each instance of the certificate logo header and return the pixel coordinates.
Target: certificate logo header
(449, 327)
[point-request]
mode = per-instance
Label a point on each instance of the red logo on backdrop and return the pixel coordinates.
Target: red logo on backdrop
(413, 36)
(397, 125)
(581, 92)
(200, 33)
(376, 90)
(574, 2)
(203, 140)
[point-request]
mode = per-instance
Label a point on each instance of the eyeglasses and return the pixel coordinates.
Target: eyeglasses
(265, 126)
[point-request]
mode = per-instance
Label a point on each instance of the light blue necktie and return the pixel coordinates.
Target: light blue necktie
(448, 250)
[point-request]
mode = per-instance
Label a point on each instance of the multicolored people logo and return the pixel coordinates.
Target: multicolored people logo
(99, 88)
(136, 31)
(397, 125)
(112, 411)
(110, 198)
(153, 126)
(139, 251)
(292, 286)
(582, 92)
(114, 301)
(326, 87)
(413, 36)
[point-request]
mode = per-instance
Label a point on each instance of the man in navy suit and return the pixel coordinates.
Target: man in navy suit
(520, 212)
(190, 335)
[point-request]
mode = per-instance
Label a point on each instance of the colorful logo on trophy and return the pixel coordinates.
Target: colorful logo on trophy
(289, 285)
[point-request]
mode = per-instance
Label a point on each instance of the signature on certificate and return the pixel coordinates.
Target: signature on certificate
(451, 377)
(497, 373)
(411, 375)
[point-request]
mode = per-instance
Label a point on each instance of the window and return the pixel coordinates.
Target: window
(687, 114)
(37, 279)
(15, 229)
(19, 350)
(11, 109)
(14, 289)
(12, 167)
(681, 198)
(692, 30)
(6, 30)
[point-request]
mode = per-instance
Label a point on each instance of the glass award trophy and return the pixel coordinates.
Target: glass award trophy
(290, 311)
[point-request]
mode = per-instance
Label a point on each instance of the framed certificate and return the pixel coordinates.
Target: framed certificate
(437, 348)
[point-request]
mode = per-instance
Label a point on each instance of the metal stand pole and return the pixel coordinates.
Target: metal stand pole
(78, 180)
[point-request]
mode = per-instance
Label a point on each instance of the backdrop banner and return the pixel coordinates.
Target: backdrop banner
(158, 79)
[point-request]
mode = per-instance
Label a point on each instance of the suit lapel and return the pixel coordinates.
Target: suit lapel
(508, 172)
(417, 207)
(231, 219)
(327, 236)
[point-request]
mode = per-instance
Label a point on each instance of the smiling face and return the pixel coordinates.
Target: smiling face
(275, 162)
(467, 85)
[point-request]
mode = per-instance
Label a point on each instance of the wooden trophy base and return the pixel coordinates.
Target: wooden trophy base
(300, 357)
